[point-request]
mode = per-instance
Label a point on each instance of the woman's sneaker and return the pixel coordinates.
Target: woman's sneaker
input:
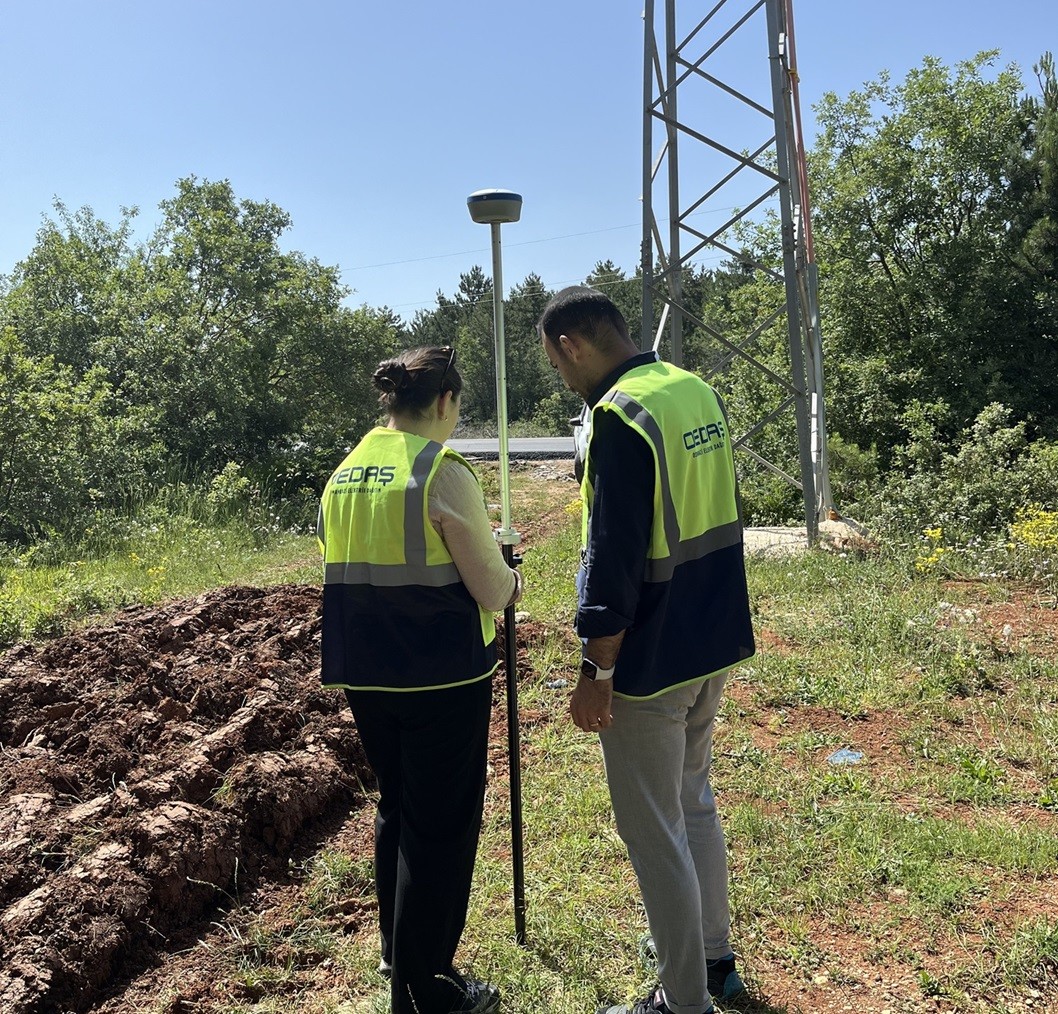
(480, 998)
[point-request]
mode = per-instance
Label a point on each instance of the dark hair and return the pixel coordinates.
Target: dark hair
(409, 383)
(587, 312)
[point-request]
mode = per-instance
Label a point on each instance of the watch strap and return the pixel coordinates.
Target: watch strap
(594, 671)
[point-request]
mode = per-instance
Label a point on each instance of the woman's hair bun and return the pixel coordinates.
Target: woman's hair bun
(391, 376)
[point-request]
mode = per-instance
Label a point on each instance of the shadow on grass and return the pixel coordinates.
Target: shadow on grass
(748, 1003)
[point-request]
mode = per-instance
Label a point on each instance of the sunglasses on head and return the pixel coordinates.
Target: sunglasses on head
(450, 349)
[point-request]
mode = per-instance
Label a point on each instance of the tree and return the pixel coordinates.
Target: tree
(59, 454)
(1035, 228)
(529, 375)
(465, 321)
(626, 293)
(922, 303)
(230, 326)
(216, 345)
(334, 403)
(73, 289)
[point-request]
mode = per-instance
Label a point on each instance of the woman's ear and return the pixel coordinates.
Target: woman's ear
(444, 404)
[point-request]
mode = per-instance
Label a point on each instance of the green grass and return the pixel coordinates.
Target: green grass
(550, 591)
(929, 865)
(909, 859)
(49, 592)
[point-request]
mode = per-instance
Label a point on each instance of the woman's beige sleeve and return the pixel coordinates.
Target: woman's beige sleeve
(457, 510)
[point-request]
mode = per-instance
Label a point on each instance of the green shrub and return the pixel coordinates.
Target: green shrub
(970, 490)
(552, 415)
(230, 493)
(768, 499)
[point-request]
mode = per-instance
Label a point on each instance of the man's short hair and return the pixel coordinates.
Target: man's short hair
(586, 311)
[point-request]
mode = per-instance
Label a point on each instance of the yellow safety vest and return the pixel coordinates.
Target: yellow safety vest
(703, 627)
(396, 615)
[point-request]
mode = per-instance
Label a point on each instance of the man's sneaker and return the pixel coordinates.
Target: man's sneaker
(723, 979)
(480, 998)
(385, 969)
(654, 1003)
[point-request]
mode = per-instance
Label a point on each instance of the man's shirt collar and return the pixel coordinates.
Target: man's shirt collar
(614, 375)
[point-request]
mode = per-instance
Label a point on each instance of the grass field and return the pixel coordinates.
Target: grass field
(922, 878)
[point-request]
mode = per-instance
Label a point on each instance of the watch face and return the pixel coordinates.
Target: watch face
(588, 668)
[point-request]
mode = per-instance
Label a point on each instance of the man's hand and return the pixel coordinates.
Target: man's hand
(590, 704)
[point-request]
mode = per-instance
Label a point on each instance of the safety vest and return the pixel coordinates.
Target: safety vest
(694, 619)
(396, 615)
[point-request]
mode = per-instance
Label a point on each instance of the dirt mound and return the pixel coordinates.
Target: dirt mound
(149, 770)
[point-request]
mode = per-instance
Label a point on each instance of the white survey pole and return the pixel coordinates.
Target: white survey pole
(494, 208)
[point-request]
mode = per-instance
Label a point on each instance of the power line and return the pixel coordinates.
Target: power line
(547, 239)
(464, 253)
(527, 242)
(546, 287)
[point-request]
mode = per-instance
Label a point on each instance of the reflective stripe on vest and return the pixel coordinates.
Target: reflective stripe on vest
(414, 569)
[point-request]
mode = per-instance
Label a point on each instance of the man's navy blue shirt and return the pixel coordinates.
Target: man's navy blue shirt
(622, 515)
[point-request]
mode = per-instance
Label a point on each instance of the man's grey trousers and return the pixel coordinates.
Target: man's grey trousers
(657, 755)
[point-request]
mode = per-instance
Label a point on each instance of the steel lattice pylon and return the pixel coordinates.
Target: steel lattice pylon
(686, 75)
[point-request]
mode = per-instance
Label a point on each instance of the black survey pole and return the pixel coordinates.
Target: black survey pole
(510, 656)
(494, 207)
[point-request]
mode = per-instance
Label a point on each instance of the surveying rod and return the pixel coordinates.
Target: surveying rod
(494, 207)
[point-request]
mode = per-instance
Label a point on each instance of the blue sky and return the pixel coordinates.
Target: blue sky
(370, 123)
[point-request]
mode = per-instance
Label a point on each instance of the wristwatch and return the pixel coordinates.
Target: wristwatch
(593, 671)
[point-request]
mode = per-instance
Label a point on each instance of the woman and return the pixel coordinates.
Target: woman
(412, 578)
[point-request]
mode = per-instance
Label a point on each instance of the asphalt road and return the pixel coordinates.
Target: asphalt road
(522, 448)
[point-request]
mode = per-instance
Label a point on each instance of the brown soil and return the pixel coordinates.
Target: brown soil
(160, 770)
(1022, 618)
(153, 769)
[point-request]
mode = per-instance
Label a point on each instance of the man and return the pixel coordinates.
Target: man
(663, 614)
